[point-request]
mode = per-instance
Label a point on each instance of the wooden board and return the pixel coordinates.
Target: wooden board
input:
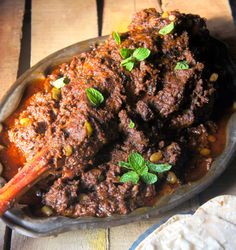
(10, 34)
(11, 16)
(57, 24)
(79, 240)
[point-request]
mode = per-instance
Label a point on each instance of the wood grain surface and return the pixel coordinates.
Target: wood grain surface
(11, 16)
(57, 24)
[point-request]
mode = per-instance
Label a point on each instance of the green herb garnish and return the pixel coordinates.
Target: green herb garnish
(60, 83)
(125, 53)
(139, 168)
(182, 65)
(131, 124)
(167, 29)
(138, 54)
(128, 63)
(130, 176)
(94, 96)
(116, 37)
(141, 54)
(149, 178)
(158, 168)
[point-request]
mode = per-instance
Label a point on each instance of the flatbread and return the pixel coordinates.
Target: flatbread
(212, 227)
(184, 234)
(154, 234)
(223, 206)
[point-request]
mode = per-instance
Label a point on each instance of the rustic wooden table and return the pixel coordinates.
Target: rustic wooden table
(48, 25)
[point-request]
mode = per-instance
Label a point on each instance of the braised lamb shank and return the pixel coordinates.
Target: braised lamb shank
(75, 146)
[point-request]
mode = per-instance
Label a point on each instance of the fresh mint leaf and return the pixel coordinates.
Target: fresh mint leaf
(128, 63)
(130, 177)
(116, 37)
(182, 65)
(125, 53)
(149, 178)
(131, 124)
(140, 169)
(167, 29)
(158, 168)
(59, 83)
(138, 54)
(127, 60)
(124, 164)
(94, 96)
(129, 66)
(137, 162)
(141, 54)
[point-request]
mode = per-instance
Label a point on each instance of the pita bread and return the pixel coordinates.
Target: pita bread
(153, 235)
(222, 206)
(212, 227)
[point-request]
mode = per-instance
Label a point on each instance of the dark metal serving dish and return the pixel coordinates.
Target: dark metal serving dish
(38, 227)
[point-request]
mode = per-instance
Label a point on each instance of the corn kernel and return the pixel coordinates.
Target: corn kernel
(89, 128)
(205, 151)
(171, 178)
(46, 210)
(155, 157)
(1, 127)
(211, 138)
(165, 14)
(83, 197)
(68, 150)
(213, 77)
(56, 94)
(25, 121)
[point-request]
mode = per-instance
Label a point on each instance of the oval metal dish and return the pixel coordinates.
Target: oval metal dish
(38, 227)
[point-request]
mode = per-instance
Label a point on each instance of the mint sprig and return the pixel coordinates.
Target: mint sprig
(139, 168)
(182, 65)
(149, 178)
(95, 97)
(167, 29)
(158, 168)
(131, 124)
(132, 56)
(125, 52)
(116, 37)
(131, 176)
